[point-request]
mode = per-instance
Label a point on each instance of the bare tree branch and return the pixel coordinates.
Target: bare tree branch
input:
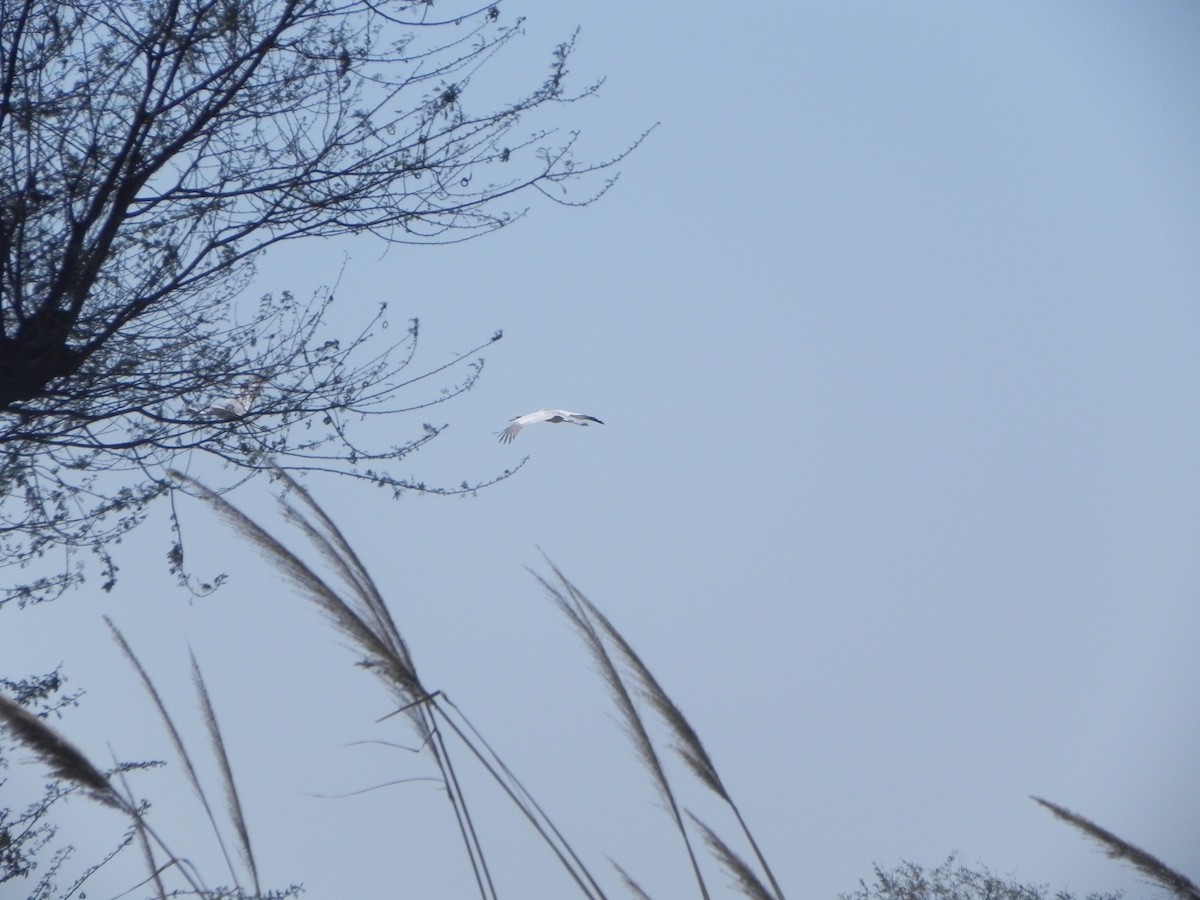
(149, 153)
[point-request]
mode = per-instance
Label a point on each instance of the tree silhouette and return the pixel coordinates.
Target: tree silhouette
(149, 152)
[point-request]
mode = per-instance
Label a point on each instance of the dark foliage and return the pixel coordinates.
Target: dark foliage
(954, 881)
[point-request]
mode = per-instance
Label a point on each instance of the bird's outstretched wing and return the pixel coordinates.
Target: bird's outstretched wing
(507, 435)
(578, 418)
(544, 415)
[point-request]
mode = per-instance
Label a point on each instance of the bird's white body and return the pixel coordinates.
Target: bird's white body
(230, 409)
(544, 415)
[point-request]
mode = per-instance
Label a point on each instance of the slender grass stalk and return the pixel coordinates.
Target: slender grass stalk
(462, 813)
(145, 833)
(523, 800)
(1116, 848)
(189, 767)
(152, 866)
(232, 802)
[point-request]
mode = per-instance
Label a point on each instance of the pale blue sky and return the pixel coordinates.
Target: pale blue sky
(893, 323)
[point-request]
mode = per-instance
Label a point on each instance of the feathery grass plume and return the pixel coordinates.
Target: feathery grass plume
(69, 764)
(189, 767)
(364, 619)
(744, 876)
(63, 758)
(574, 609)
(341, 556)
(633, 886)
(385, 659)
(1116, 848)
(232, 802)
(686, 742)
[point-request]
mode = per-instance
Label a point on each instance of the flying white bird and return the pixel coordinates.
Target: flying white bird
(544, 415)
